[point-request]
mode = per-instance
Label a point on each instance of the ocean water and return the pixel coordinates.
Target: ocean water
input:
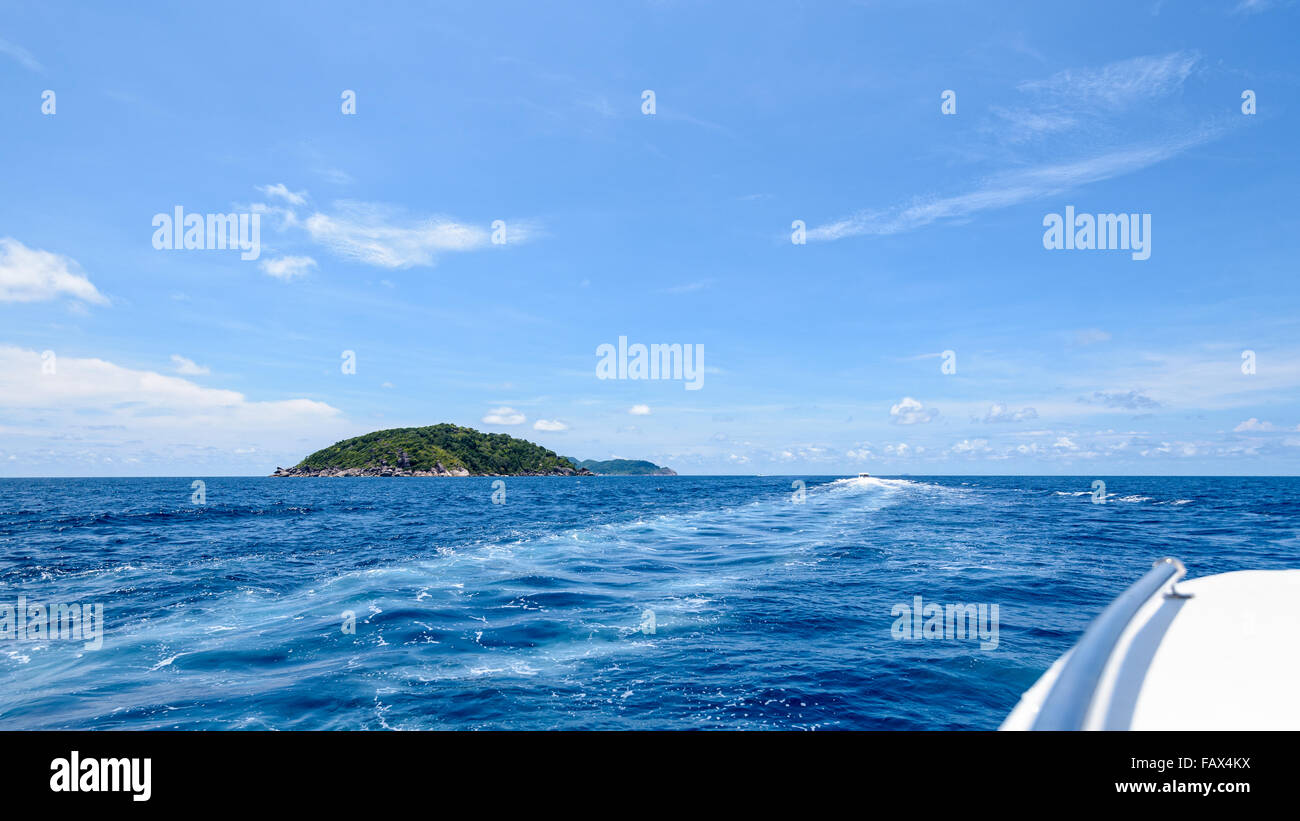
(532, 614)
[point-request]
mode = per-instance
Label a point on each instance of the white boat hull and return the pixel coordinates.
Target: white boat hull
(1227, 658)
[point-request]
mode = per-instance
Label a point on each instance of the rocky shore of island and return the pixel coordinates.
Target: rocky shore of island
(403, 471)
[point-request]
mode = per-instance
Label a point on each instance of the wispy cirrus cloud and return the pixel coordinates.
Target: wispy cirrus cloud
(1116, 85)
(1008, 189)
(22, 55)
(1064, 104)
(381, 235)
(689, 287)
(1127, 400)
(1088, 98)
(1254, 6)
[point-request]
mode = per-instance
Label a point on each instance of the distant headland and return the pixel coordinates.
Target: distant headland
(451, 450)
(621, 467)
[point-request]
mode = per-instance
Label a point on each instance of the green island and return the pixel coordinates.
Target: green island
(622, 467)
(449, 450)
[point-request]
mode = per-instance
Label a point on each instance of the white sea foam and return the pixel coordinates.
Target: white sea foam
(167, 662)
(874, 482)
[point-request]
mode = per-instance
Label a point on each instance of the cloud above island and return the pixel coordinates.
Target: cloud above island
(504, 416)
(75, 409)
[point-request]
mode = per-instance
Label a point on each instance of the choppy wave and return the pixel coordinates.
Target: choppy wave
(651, 602)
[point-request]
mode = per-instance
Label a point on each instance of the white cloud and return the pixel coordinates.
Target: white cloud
(549, 425)
(999, 412)
(98, 384)
(639, 410)
(281, 191)
(385, 236)
(28, 275)
(288, 268)
(90, 410)
(911, 412)
(381, 236)
(1128, 400)
(504, 416)
(971, 446)
(1254, 425)
(187, 366)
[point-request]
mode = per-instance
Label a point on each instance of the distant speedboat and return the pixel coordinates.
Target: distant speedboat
(864, 475)
(1209, 654)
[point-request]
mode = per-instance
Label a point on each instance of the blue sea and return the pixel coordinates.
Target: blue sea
(603, 603)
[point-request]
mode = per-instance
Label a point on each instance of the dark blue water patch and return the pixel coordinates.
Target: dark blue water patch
(597, 603)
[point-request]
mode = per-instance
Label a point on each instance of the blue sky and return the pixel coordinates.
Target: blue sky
(924, 233)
